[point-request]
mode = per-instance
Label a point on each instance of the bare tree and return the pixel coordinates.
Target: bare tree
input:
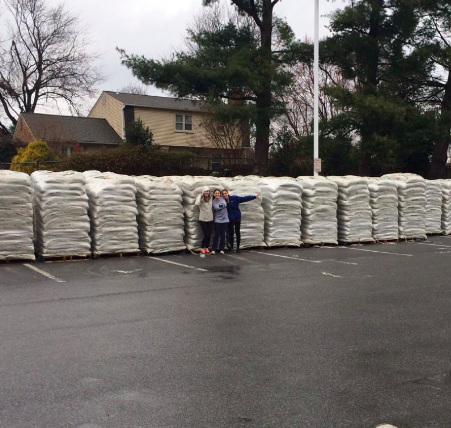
(229, 136)
(43, 59)
(298, 99)
(134, 89)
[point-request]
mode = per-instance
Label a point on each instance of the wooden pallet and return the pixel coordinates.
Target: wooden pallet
(119, 255)
(319, 244)
(387, 241)
(348, 244)
(65, 258)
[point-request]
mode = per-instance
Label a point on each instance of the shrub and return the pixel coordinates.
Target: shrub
(39, 153)
(136, 133)
(135, 160)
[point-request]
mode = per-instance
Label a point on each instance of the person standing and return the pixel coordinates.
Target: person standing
(205, 203)
(221, 220)
(233, 209)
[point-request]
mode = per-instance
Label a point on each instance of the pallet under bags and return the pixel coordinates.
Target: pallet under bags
(446, 206)
(433, 207)
(354, 211)
(384, 207)
(411, 205)
(161, 219)
(252, 214)
(113, 212)
(282, 206)
(191, 187)
(16, 216)
(61, 217)
(319, 210)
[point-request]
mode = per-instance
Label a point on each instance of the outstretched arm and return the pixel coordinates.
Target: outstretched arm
(242, 199)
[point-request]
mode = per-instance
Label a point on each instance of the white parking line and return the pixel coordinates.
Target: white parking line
(178, 264)
(286, 257)
(42, 272)
(434, 244)
(380, 252)
(331, 274)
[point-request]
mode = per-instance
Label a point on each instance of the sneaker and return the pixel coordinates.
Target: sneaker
(221, 252)
(207, 251)
(203, 251)
(213, 252)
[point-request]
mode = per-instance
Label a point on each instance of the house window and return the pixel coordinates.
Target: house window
(220, 129)
(183, 122)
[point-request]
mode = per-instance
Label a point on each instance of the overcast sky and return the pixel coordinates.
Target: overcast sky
(154, 28)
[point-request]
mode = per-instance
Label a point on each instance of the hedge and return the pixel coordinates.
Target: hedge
(136, 160)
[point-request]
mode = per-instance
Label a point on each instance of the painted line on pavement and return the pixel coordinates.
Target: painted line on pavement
(331, 274)
(178, 264)
(345, 263)
(434, 244)
(286, 257)
(44, 273)
(380, 252)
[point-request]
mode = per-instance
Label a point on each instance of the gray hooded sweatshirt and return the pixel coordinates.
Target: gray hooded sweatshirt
(205, 208)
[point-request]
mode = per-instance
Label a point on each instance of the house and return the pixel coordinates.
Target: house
(66, 134)
(174, 122)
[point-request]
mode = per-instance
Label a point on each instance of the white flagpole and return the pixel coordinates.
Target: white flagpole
(316, 90)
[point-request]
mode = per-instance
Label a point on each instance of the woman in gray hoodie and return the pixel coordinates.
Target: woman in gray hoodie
(204, 202)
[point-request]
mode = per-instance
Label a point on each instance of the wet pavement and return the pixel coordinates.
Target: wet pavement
(323, 337)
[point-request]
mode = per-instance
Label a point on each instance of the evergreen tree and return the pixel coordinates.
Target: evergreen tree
(238, 60)
(369, 45)
(137, 133)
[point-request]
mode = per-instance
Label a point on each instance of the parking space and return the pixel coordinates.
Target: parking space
(319, 337)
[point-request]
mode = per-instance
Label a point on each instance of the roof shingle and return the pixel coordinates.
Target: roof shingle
(50, 128)
(164, 103)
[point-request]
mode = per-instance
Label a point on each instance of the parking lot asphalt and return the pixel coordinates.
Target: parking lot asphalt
(322, 337)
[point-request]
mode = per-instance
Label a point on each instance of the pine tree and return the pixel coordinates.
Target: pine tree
(232, 60)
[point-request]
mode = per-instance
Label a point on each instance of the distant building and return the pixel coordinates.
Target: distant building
(66, 134)
(175, 123)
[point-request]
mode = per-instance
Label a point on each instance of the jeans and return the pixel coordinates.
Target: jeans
(235, 228)
(220, 231)
(206, 229)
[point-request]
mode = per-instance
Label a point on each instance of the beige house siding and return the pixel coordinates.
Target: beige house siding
(162, 124)
(110, 109)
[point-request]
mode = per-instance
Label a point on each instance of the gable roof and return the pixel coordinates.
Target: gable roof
(56, 128)
(151, 101)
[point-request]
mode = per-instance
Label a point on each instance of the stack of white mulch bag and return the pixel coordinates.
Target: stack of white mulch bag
(319, 210)
(192, 187)
(433, 207)
(384, 206)
(411, 205)
(60, 214)
(113, 212)
(354, 211)
(160, 218)
(16, 216)
(446, 206)
(282, 205)
(252, 214)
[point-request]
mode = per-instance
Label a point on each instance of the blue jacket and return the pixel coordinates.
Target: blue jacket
(233, 208)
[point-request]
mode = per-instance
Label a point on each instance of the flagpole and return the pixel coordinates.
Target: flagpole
(316, 93)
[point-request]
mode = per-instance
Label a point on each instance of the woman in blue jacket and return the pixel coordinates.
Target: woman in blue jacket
(233, 209)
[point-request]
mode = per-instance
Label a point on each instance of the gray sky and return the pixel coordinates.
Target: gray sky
(155, 27)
